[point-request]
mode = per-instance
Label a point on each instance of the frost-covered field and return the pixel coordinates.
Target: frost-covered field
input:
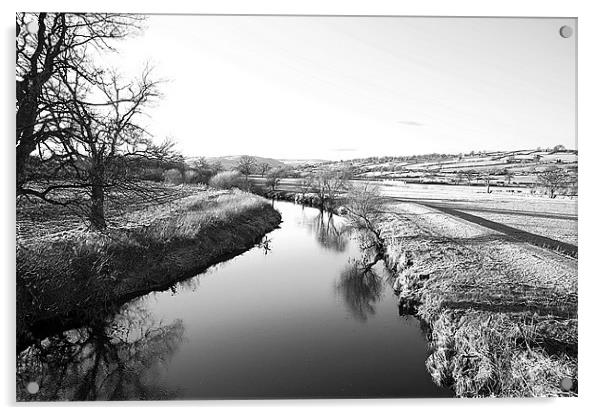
(539, 215)
(511, 207)
(502, 313)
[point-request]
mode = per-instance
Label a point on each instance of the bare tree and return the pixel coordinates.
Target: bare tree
(486, 177)
(263, 168)
(365, 211)
(205, 170)
(200, 163)
(328, 187)
(47, 45)
(509, 176)
(553, 179)
(305, 185)
(469, 175)
(246, 166)
(100, 133)
(273, 179)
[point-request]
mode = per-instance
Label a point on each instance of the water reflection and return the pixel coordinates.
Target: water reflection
(111, 362)
(329, 234)
(264, 245)
(361, 289)
(256, 326)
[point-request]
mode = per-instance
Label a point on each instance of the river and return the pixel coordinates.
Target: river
(285, 319)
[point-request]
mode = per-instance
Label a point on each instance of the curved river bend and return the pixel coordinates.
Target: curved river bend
(282, 320)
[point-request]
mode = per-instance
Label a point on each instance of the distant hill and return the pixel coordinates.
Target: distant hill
(494, 167)
(230, 162)
(298, 162)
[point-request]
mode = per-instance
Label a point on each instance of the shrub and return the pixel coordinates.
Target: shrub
(173, 176)
(154, 174)
(227, 180)
(192, 177)
(204, 175)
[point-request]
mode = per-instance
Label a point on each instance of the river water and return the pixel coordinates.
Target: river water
(286, 319)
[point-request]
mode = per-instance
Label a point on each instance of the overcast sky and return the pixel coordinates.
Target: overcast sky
(347, 87)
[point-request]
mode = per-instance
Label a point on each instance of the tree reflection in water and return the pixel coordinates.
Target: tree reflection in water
(118, 361)
(264, 244)
(327, 233)
(360, 288)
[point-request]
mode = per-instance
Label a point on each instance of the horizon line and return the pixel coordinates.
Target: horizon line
(381, 156)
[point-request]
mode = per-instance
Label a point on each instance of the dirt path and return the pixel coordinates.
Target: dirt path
(453, 204)
(485, 240)
(514, 233)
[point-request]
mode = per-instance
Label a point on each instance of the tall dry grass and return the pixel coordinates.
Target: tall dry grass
(495, 355)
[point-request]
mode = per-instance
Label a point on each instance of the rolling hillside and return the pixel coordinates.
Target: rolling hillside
(497, 168)
(230, 162)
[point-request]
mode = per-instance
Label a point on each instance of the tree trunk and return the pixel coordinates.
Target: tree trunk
(23, 152)
(97, 205)
(379, 249)
(29, 91)
(379, 256)
(26, 117)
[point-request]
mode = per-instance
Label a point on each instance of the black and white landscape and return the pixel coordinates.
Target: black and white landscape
(235, 207)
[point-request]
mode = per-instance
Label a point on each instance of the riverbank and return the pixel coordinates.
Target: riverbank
(502, 313)
(75, 275)
(265, 324)
(306, 199)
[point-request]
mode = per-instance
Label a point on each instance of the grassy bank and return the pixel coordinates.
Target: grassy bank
(78, 272)
(502, 314)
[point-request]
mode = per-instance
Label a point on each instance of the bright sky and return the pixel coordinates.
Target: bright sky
(347, 87)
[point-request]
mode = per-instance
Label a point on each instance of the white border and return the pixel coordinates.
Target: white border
(590, 114)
